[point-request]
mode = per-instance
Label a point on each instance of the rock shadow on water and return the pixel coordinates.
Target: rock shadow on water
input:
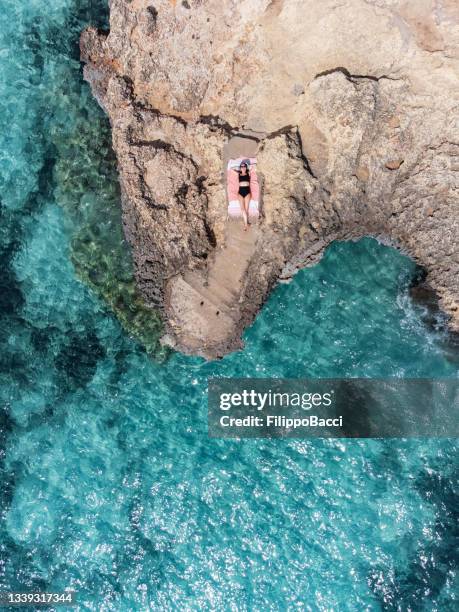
(426, 300)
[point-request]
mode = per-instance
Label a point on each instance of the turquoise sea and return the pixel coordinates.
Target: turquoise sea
(109, 483)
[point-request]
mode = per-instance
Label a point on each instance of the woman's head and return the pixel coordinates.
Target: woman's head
(243, 168)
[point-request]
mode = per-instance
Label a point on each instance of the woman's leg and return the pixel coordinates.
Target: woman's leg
(242, 205)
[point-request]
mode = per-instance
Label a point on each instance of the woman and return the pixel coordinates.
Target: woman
(244, 193)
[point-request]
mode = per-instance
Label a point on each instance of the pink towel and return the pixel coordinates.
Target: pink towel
(235, 212)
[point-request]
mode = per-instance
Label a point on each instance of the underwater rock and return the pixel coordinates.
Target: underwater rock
(354, 106)
(86, 187)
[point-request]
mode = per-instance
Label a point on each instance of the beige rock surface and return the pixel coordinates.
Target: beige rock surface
(355, 107)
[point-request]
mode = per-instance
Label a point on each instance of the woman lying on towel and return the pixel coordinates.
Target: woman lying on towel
(243, 189)
(244, 193)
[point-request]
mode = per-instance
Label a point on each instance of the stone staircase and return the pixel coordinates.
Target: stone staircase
(203, 305)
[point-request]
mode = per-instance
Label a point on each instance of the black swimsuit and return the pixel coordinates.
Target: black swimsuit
(243, 189)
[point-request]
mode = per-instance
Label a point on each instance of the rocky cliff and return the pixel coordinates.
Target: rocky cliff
(352, 107)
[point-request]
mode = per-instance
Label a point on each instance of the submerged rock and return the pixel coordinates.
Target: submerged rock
(84, 162)
(354, 109)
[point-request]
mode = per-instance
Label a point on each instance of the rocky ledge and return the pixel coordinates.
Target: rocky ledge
(352, 107)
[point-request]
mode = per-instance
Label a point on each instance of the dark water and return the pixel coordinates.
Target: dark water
(109, 482)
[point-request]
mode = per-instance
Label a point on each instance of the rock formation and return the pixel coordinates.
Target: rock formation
(353, 107)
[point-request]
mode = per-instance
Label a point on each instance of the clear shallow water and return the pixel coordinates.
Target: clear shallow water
(109, 483)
